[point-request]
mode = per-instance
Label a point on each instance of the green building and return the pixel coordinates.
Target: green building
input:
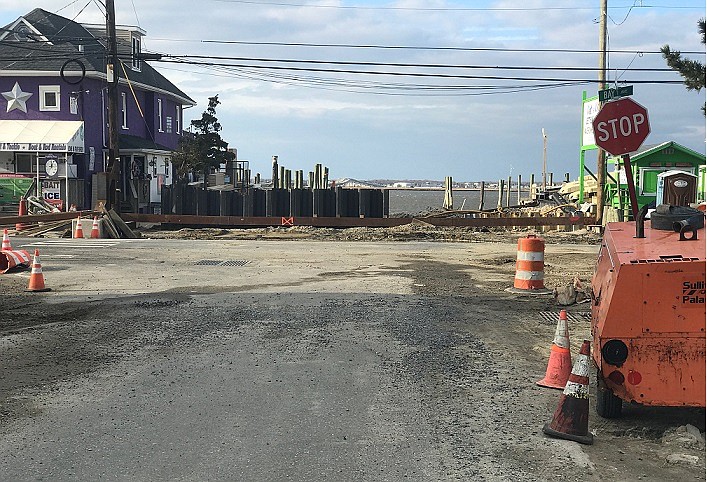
(646, 164)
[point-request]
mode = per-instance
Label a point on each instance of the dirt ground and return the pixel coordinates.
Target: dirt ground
(469, 350)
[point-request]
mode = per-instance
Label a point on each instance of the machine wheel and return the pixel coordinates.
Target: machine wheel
(608, 404)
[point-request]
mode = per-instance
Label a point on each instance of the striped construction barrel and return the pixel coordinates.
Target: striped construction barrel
(530, 263)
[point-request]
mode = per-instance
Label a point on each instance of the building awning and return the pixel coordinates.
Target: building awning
(41, 136)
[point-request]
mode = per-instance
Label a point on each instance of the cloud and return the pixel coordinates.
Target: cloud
(373, 135)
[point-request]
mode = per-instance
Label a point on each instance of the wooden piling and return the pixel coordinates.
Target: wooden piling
(500, 194)
(519, 182)
(481, 193)
(508, 192)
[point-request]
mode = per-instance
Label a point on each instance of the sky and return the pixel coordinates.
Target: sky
(382, 126)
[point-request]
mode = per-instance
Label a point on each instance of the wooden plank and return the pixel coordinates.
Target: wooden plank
(120, 225)
(48, 227)
(36, 218)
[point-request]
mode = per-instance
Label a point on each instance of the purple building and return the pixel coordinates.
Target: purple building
(54, 112)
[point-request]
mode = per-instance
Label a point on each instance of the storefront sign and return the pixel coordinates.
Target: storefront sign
(14, 146)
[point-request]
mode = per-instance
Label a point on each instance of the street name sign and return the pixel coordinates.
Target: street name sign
(621, 126)
(613, 93)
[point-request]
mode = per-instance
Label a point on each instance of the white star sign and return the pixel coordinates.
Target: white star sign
(16, 99)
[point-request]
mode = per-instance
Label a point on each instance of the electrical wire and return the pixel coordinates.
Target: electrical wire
(407, 47)
(408, 74)
(399, 64)
(365, 86)
(431, 9)
(66, 6)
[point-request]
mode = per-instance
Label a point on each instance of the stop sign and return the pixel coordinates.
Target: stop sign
(621, 126)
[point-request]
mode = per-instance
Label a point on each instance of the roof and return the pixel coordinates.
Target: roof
(41, 41)
(648, 149)
(44, 135)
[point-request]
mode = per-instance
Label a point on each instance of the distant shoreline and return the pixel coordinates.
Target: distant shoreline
(522, 189)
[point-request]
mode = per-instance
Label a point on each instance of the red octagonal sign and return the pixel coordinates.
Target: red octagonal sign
(621, 126)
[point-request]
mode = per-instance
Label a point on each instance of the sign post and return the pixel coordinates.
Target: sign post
(620, 127)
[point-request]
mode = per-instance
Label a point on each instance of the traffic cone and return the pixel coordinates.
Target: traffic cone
(79, 229)
(571, 418)
(22, 212)
(6, 246)
(95, 232)
(559, 366)
(36, 278)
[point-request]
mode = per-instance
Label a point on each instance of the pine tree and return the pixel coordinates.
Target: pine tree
(203, 149)
(691, 70)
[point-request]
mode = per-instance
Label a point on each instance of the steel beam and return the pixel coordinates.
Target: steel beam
(348, 222)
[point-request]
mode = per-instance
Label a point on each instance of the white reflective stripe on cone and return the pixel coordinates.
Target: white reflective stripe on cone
(529, 275)
(577, 390)
(561, 335)
(530, 256)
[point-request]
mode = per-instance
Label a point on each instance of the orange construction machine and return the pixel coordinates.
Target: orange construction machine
(648, 313)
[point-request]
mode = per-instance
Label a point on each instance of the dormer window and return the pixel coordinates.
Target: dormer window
(136, 53)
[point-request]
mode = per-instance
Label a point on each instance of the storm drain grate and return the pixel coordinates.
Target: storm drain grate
(551, 317)
(218, 262)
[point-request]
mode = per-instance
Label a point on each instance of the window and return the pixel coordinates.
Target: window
(136, 53)
(168, 124)
(25, 163)
(176, 121)
(124, 109)
(49, 98)
(159, 115)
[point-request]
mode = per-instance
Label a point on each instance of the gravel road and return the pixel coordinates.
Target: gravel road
(310, 360)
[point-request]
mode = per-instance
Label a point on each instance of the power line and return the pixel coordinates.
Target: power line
(393, 89)
(410, 47)
(398, 64)
(411, 74)
(56, 38)
(439, 9)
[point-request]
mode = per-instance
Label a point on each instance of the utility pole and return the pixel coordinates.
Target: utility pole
(544, 161)
(113, 179)
(601, 155)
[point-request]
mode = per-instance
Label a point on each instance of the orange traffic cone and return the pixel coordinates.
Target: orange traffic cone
(36, 279)
(6, 246)
(79, 229)
(95, 232)
(571, 419)
(560, 364)
(22, 212)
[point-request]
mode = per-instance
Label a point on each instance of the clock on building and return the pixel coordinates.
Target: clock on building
(51, 167)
